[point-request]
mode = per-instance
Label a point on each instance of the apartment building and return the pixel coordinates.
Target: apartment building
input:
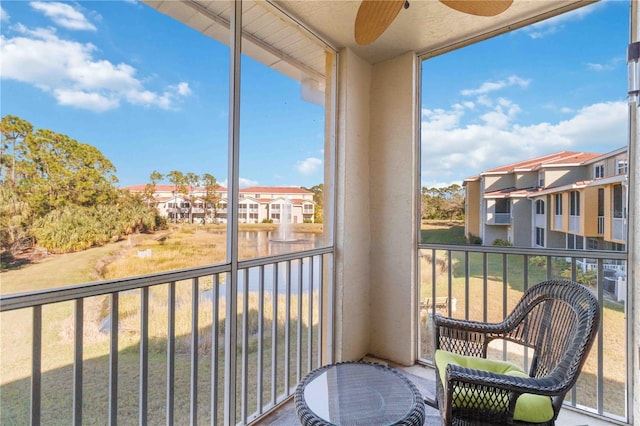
(571, 200)
(566, 200)
(280, 204)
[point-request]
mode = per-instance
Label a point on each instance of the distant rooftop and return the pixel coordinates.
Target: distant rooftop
(247, 190)
(564, 158)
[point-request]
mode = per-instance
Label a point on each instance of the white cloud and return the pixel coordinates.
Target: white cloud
(4, 16)
(64, 15)
(243, 182)
(308, 166)
(79, 99)
(182, 89)
(555, 24)
(75, 77)
(612, 64)
(491, 86)
(451, 153)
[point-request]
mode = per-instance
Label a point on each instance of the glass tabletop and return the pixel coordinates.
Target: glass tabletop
(358, 393)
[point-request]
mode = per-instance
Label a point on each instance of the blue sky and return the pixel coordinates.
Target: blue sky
(558, 85)
(152, 94)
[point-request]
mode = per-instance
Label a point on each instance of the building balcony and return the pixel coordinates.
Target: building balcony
(574, 224)
(282, 331)
(498, 219)
(619, 229)
(557, 222)
(600, 225)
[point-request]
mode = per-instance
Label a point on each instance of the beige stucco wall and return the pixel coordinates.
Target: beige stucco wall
(565, 176)
(526, 179)
(352, 237)
(497, 182)
(590, 211)
(393, 191)
(472, 218)
(521, 213)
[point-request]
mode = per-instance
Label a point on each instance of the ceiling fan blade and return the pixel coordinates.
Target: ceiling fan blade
(479, 7)
(374, 17)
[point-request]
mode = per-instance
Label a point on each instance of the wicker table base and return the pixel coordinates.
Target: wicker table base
(358, 393)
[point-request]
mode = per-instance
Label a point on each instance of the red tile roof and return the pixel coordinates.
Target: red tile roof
(251, 189)
(275, 190)
(168, 188)
(564, 158)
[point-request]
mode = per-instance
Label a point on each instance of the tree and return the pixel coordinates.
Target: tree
(453, 204)
(54, 170)
(193, 180)
(211, 194)
(179, 181)
(318, 199)
(150, 188)
(14, 130)
(14, 222)
(443, 203)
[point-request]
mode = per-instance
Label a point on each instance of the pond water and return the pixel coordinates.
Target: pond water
(267, 243)
(275, 281)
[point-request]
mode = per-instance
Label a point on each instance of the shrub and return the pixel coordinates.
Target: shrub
(589, 278)
(265, 220)
(74, 228)
(501, 242)
(474, 239)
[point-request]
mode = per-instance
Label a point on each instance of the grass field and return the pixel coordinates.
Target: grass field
(184, 246)
(500, 297)
(192, 246)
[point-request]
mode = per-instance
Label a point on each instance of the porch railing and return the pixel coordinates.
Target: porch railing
(620, 229)
(157, 349)
(574, 223)
(557, 222)
(600, 225)
(500, 219)
(484, 283)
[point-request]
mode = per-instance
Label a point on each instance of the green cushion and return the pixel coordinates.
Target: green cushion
(529, 407)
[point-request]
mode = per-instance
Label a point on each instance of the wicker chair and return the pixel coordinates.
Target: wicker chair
(557, 319)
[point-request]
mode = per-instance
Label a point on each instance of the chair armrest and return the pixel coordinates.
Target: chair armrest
(465, 337)
(547, 386)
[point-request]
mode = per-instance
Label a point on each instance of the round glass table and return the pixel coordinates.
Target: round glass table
(358, 393)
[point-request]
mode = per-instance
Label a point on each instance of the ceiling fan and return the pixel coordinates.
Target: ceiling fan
(374, 16)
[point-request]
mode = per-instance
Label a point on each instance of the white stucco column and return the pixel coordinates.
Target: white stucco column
(353, 240)
(393, 187)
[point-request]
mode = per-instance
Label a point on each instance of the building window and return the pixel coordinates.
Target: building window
(503, 205)
(621, 166)
(618, 205)
(540, 237)
(558, 202)
(574, 203)
(575, 242)
(598, 171)
(539, 207)
(540, 179)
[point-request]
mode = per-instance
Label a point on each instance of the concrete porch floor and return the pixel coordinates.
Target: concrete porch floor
(423, 377)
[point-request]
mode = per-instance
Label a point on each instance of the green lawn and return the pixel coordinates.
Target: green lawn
(442, 234)
(58, 270)
(495, 303)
